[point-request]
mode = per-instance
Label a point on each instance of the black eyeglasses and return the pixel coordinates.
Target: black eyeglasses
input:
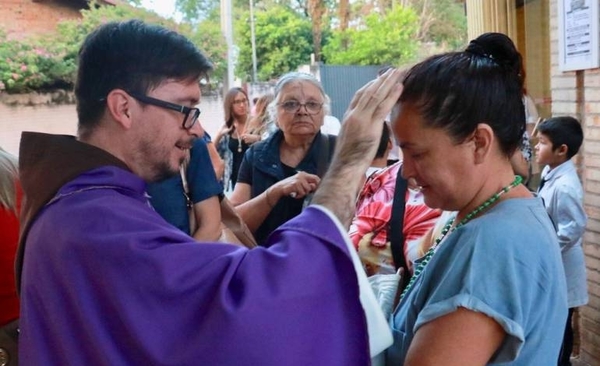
(190, 114)
(293, 106)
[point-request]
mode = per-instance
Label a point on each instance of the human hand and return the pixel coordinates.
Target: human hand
(298, 185)
(250, 138)
(357, 143)
(361, 129)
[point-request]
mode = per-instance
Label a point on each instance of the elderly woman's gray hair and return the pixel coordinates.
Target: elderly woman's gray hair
(292, 77)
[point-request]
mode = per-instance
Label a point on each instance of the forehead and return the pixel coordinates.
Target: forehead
(543, 137)
(240, 96)
(410, 129)
(178, 90)
(406, 122)
(300, 88)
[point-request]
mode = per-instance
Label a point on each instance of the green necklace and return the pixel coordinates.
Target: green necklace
(448, 228)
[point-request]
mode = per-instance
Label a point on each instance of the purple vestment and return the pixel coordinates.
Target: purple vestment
(106, 281)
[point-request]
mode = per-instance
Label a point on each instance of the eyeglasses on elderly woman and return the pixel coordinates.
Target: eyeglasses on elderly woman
(293, 106)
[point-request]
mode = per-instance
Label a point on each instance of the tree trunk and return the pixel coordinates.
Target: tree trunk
(344, 15)
(316, 11)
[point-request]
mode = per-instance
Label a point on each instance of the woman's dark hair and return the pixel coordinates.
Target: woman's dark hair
(384, 141)
(228, 104)
(483, 84)
(563, 131)
(133, 56)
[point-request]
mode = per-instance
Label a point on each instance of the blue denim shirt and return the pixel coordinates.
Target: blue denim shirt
(504, 264)
(167, 196)
(262, 167)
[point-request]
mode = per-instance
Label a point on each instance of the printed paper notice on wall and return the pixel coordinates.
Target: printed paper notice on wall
(578, 35)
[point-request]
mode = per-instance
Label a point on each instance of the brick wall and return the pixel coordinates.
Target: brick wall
(590, 114)
(22, 18)
(578, 94)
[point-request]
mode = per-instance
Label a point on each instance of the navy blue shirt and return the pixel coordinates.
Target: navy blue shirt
(262, 167)
(167, 196)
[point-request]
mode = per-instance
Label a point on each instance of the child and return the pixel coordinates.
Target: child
(559, 140)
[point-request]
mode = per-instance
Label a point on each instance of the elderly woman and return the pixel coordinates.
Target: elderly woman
(279, 173)
(491, 289)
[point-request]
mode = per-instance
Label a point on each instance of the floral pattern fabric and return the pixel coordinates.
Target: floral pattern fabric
(369, 230)
(526, 149)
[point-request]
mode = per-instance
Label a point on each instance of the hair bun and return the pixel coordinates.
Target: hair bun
(499, 48)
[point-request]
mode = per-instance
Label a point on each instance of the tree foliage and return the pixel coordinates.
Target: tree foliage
(442, 22)
(208, 38)
(26, 66)
(195, 10)
(362, 32)
(316, 10)
(450, 25)
(198, 10)
(382, 39)
(50, 62)
(283, 42)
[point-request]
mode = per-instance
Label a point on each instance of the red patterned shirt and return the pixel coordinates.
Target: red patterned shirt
(9, 237)
(369, 228)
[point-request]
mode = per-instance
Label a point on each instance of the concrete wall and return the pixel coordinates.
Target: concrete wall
(62, 119)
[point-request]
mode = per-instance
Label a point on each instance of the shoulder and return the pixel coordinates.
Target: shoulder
(268, 146)
(567, 183)
(569, 186)
(199, 147)
(516, 212)
(516, 227)
(514, 246)
(120, 210)
(222, 145)
(200, 166)
(381, 185)
(262, 150)
(570, 178)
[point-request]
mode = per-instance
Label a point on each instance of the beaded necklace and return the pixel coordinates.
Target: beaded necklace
(448, 228)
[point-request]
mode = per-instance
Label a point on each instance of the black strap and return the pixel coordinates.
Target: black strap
(396, 224)
(325, 153)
